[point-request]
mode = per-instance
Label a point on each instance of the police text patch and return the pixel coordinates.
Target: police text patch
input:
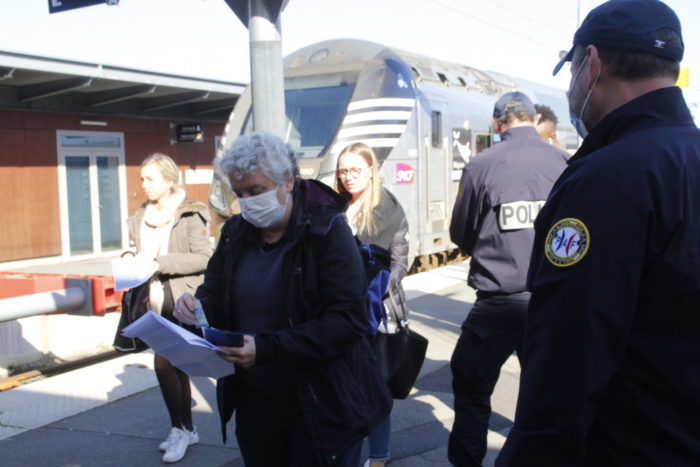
(567, 242)
(518, 214)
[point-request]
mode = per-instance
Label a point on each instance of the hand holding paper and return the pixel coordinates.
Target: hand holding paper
(132, 271)
(187, 351)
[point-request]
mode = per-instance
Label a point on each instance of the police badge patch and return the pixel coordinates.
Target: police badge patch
(567, 242)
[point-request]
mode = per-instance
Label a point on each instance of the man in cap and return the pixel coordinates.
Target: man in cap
(611, 360)
(546, 124)
(500, 193)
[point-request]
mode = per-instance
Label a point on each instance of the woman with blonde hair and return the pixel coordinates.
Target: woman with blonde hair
(174, 231)
(375, 216)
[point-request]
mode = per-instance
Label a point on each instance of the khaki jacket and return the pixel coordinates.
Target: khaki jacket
(189, 247)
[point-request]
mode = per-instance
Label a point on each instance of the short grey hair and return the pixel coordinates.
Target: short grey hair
(259, 152)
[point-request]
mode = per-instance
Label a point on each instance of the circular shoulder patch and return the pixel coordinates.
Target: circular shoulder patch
(567, 242)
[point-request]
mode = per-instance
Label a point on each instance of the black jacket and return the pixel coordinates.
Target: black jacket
(391, 233)
(500, 193)
(611, 364)
(338, 385)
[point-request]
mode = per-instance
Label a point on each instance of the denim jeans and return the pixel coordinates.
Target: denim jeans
(379, 439)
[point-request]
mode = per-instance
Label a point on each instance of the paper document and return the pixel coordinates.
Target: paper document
(131, 271)
(187, 351)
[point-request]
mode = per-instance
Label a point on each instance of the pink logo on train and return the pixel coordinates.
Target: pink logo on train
(405, 173)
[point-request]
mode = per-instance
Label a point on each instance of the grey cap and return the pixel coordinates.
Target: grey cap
(512, 102)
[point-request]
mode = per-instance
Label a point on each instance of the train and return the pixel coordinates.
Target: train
(424, 118)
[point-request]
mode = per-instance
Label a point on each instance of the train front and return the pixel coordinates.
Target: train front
(336, 93)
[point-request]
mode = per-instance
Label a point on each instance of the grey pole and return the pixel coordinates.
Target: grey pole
(39, 303)
(267, 74)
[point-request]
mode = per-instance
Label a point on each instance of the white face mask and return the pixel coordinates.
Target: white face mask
(263, 210)
(577, 120)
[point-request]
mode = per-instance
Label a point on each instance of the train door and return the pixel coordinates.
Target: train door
(438, 176)
(92, 192)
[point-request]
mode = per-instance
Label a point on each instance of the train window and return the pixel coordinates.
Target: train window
(481, 142)
(436, 122)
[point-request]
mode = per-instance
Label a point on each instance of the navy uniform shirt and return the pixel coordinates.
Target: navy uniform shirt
(501, 192)
(611, 366)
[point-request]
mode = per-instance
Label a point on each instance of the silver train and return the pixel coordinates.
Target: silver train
(424, 118)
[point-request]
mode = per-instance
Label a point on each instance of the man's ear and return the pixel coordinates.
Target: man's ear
(496, 126)
(595, 65)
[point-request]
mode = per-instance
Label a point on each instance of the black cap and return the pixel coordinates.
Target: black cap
(512, 102)
(628, 25)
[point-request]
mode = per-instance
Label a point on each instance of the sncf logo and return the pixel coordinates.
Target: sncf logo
(404, 173)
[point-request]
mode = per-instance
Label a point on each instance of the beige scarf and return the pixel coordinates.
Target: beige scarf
(155, 236)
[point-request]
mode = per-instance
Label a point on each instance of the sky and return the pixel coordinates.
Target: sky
(203, 38)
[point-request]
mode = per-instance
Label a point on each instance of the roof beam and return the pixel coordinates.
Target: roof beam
(116, 95)
(177, 99)
(6, 73)
(215, 106)
(41, 91)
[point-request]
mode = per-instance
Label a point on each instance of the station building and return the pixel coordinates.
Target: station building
(72, 138)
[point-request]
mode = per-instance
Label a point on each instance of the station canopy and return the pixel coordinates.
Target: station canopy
(29, 82)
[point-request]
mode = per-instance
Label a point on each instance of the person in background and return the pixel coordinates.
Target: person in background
(611, 366)
(546, 123)
(287, 273)
(375, 216)
(500, 193)
(174, 231)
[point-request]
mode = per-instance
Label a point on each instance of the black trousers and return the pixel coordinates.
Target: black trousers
(492, 331)
(272, 432)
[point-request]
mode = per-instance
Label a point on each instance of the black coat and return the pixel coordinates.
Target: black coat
(611, 365)
(338, 385)
(391, 232)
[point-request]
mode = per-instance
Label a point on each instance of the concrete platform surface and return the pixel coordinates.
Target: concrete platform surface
(112, 413)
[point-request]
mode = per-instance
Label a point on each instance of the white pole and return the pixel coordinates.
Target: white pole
(39, 303)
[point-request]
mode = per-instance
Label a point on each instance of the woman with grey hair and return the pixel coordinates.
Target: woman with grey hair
(287, 276)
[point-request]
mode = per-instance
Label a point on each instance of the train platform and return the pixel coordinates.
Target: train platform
(112, 413)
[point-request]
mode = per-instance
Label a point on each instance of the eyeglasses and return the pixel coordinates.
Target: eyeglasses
(353, 172)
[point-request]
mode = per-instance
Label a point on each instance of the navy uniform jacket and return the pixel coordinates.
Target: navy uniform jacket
(501, 191)
(611, 367)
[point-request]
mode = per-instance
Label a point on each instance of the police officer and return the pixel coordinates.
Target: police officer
(611, 366)
(501, 191)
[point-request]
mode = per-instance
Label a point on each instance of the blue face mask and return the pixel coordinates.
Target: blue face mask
(577, 120)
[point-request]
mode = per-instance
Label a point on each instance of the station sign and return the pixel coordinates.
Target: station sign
(57, 6)
(190, 132)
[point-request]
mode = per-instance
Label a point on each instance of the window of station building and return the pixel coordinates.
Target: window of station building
(436, 124)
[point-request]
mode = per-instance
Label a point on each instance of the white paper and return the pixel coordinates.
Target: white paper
(187, 351)
(131, 271)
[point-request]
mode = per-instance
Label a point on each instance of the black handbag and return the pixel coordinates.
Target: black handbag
(134, 305)
(400, 357)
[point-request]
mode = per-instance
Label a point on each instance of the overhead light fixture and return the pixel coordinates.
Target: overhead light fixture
(93, 123)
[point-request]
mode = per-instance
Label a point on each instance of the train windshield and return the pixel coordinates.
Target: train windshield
(315, 106)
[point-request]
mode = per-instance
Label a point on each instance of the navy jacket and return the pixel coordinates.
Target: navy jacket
(500, 193)
(339, 388)
(611, 365)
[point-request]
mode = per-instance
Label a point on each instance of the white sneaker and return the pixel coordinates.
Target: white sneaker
(192, 435)
(177, 446)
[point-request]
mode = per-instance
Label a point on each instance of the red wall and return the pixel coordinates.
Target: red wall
(29, 199)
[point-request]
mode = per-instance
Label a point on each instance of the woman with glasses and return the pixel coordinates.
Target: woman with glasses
(375, 216)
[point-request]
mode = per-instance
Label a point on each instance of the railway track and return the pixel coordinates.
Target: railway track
(55, 369)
